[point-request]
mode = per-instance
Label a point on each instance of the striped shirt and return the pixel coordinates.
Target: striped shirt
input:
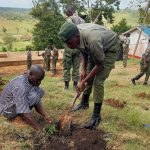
(21, 93)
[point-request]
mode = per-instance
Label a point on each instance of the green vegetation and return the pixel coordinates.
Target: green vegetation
(15, 29)
(130, 15)
(51, 129)
(121, 27)
(125, 126)
(19, 24)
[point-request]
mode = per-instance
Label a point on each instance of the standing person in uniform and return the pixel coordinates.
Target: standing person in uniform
(126, 50)
(29, 58)
(1, 81)
(99, 49)
(54, 59)
(145, 66)
(44, 59)
(48, 57)
(22, 94)
(71, 58)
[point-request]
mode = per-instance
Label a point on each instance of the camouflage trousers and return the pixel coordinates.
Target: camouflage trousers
(47, 67)
(125, 57)
(29, 63)
(71, 58)
(143, 71)
(98, 82)
(54, 62)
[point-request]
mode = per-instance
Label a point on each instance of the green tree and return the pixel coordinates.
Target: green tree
(142, 16)
(121, 27)
(96, 9)
(50, 21)
(8, 40)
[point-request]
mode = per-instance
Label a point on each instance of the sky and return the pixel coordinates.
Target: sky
(28, 3)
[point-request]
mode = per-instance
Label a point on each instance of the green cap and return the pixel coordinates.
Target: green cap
(67, 31)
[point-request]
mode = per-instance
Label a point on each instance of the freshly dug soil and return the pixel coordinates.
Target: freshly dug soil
(80, 139)
(115, 103)
(143, 95)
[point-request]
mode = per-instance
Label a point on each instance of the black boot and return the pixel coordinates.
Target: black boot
(75, 83)
(54, 72)
(96, 118)
(145, 83)
(66, 85)
(84, 104)
(133, 81)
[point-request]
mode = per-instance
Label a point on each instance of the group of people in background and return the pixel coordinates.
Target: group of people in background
(50, 55)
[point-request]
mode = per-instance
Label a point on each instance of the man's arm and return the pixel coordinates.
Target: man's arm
(39, 108)
(28, 117)
(97, 54)
(94, 71)
(84, 59)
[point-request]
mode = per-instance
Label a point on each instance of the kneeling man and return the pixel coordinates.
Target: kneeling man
(23, 93)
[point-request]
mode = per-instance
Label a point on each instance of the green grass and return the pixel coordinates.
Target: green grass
(17, 46)
(125, 125)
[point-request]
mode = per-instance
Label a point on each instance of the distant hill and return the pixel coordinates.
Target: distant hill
(19, 23)
(130, 15)
(15, 13)
(12, 18)
(16, 20)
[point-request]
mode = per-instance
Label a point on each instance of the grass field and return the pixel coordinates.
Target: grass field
(129, 15)
(124, 125)
(15, 27)
(17, 46)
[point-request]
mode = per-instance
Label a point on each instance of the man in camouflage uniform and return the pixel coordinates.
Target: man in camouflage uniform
(99, 49)
(48, 57)
(126, 50)
(29, 58)
(1, 81)
(71, 58)
(145, 66)
(54, 59)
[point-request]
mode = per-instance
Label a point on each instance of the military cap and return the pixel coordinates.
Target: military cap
(67, 31)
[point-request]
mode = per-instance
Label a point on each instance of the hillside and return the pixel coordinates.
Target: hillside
(130, 15)
(19, 23)
(16, 20)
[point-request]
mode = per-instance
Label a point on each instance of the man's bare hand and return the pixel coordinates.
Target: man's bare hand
(82, 75)
(80, 87)
(48, 120)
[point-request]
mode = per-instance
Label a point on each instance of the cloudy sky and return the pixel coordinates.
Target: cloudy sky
(28, 3)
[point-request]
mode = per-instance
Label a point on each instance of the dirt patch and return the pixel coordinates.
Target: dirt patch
(18, 70)
(143, 95)
(115, 103)
(12, 70)
(117, 85)
(19, 122)
(80, 139)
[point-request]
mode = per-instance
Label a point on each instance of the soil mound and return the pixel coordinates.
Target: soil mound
(80, 139)
(115, 103)
(143, 95)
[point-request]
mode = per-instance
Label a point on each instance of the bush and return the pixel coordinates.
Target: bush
(4, 49)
